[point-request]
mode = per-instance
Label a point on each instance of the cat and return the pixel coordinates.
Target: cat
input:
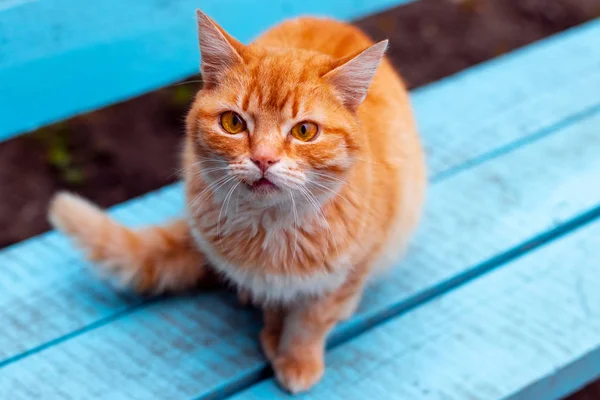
(304, 176)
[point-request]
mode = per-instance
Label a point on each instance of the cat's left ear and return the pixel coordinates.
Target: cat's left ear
(219, 50)
(352, 76)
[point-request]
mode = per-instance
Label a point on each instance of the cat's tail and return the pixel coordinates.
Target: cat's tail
(150, 260)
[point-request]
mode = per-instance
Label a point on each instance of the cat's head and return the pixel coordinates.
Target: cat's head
(278, 124)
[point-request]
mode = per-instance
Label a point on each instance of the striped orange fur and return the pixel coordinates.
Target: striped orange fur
(297, 226)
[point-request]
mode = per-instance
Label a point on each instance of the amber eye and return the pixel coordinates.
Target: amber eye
(232, 122)
(305, 131)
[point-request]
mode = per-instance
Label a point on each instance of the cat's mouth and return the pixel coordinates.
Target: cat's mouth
(262, 185)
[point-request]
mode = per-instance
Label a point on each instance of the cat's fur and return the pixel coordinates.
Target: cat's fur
(345, 204)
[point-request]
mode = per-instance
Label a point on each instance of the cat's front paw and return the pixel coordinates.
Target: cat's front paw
(298, 373)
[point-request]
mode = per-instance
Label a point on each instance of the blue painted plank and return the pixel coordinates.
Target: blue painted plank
(530, 330)
(521, 96)
(205, 345)
(54, 289)
(63, 57)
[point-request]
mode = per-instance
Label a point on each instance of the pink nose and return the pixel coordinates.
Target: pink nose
(264, 162)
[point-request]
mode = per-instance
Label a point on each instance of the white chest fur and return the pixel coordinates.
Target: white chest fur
(273, 287)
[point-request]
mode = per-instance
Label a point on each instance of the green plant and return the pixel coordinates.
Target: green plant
(55, 139)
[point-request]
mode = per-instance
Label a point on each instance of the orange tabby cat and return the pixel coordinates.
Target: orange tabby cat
(303, 175)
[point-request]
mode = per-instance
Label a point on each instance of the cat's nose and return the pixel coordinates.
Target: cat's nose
(264, 161)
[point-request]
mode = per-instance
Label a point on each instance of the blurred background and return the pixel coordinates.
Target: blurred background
(130, 148)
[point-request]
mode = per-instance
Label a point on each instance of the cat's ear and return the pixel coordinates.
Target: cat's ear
(218, 49)
(352, 75)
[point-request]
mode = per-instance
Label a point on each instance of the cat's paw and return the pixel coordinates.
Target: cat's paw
(298, 373)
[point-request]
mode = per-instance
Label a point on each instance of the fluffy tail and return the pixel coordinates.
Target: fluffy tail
(150, 260)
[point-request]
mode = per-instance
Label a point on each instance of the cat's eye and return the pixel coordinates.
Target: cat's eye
(232, 123)
(305, 131)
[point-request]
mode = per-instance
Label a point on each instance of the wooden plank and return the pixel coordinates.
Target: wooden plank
(498, 105)
(530, 330)
(65, 57)
(49, 293)
(204, 346)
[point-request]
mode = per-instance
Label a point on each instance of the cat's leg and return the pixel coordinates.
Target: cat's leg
(299, 363)
(270, 335)
(244, 298)
(150, 260)
(350, 306)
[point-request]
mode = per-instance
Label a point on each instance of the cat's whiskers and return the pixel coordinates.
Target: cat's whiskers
(187, 82)
(290, 183)
(237, 203)
(196, 167)
(225, 205)
(205, 160)
(222, 85)
(230, 89)
(333, 178)
(202, 159)
(370, 161)
(213, 187)
(207, 170)
(207, 188)
(335, 193)
(178, 173)
(289, 179)
(296, 223)
(314, 203)
(203, 81)
(197, 164)
(229, 179)
(351, 189)
(240, 83)
(193, 204)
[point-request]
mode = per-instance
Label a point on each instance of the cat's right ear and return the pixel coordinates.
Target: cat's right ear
(218, 49)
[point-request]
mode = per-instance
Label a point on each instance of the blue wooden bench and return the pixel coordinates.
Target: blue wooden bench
(497, 299)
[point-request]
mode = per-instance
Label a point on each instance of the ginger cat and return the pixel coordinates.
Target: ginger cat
(304, 175)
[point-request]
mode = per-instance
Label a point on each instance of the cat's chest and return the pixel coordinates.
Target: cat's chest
(271, 257)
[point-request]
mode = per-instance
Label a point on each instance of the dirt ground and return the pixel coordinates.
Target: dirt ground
(131, 148)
